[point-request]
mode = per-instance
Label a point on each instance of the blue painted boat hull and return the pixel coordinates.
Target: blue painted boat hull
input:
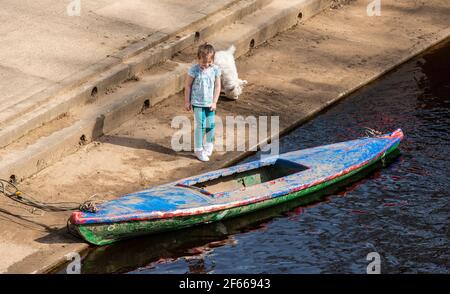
(232, 191)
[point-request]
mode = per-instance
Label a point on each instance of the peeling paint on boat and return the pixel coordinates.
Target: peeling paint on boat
(175, 205)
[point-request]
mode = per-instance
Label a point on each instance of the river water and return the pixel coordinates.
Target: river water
(401, 212)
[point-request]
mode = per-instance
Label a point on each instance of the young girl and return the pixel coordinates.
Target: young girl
(201, 93)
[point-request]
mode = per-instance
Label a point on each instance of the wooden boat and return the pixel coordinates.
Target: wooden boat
(231, 192)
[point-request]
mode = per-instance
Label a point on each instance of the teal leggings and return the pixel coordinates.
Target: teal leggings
(204, 121)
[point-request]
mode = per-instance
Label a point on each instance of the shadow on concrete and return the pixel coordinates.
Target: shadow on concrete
(420, 8)
(97, 131)
(98, 134)
(317, 86)
(21, 220)
(142, 144)
(59, 236)
(54, 234)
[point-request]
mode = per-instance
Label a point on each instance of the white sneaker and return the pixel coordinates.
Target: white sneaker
(201, 155)
(209, 148)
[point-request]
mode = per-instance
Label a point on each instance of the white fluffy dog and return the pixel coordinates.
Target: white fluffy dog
(231, 84)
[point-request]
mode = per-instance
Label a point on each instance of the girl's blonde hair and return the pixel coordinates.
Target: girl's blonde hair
(205, 50)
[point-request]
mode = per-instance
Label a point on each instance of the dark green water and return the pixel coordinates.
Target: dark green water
(401, 211)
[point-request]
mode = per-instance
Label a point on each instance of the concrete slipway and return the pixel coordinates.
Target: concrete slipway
(294, 75)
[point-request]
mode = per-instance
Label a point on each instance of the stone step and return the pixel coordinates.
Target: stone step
(150, 86)
(21, 118)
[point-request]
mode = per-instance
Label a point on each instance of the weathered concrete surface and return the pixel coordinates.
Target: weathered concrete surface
(24, 157)
(61, 58)
(294, 75)
(51, 45)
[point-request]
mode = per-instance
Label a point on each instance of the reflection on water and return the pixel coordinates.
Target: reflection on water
(433, 79)
(401, 211)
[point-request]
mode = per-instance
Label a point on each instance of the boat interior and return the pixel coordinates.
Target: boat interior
(278, 169)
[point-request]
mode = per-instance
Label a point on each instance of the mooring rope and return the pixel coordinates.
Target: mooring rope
(11, 191)
(371, 133)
